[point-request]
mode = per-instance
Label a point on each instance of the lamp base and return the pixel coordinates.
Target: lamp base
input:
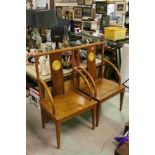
(57, 39)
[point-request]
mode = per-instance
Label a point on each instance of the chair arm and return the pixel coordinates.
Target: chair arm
(91, 79)
(114, 67)
(48, 93)
(84, 78)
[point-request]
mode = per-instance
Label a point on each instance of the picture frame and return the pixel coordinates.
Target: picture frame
(59, 11)
(88, 2)
(86, 12)
(77, 12)
(64, 8)
(67, 13)
(81, 2)
(101, 8)
(120, 7)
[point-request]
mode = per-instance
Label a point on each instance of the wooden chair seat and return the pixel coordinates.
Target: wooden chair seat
(68, 105)
(105, 89)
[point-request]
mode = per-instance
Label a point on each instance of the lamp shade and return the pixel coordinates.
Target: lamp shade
(30, 18)
(59, 29)
(46, 18)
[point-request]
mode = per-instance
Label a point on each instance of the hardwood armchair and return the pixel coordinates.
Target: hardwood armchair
(58, 105)
(103, 89)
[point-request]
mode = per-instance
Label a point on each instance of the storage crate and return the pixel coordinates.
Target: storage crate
(114, 33)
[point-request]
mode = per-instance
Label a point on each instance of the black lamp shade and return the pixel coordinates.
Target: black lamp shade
(59, 29)
(46, 18)
(30, 18)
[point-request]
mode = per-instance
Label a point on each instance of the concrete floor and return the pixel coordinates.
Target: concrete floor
(77, 137)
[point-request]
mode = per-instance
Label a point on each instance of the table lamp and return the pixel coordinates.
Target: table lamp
(30, 23)
(30, 18)
(46, 18)
(59, 30)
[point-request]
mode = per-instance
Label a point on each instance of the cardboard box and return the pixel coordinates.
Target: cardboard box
(35, 99)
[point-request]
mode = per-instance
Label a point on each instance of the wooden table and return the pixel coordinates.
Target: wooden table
(31, 72)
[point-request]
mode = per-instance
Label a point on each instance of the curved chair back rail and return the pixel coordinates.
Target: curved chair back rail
(114, 67)
(91, 79)
(85, 79)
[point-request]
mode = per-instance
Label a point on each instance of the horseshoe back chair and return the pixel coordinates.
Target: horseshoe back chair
(57, 104)
(103, 89)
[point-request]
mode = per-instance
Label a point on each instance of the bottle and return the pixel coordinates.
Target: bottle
(65, 37)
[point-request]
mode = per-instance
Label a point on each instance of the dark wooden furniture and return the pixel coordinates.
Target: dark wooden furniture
(56, 103)
(123, 150)
(103, 89)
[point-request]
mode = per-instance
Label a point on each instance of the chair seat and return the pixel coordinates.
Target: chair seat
(68, 105)
(106, 89)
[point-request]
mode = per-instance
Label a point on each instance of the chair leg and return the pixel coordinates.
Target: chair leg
(98, 113)
(121, 100)
(93, 117)
(58, 125)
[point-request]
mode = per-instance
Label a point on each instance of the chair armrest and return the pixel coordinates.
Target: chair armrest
(114, 67)
(84, 78)
(48, 93)
(91, 79)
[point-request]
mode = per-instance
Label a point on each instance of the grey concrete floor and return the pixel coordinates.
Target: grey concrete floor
(77, 137)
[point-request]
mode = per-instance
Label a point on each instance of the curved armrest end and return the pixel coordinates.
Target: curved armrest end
(48, 93)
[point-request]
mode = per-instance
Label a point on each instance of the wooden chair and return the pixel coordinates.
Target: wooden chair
(59, 105)
(103, 89)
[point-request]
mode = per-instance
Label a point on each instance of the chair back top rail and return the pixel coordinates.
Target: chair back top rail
(69, 49)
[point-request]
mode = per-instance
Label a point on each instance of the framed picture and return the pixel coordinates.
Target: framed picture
(86, 12)
(80, 2)
(101, 8)
(88, 2)
(64, 8)
(77, 12)
(67, 13)
(59, 11)
(120, 7)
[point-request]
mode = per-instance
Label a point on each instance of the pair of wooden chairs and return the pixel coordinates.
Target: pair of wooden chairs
(59, 105)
